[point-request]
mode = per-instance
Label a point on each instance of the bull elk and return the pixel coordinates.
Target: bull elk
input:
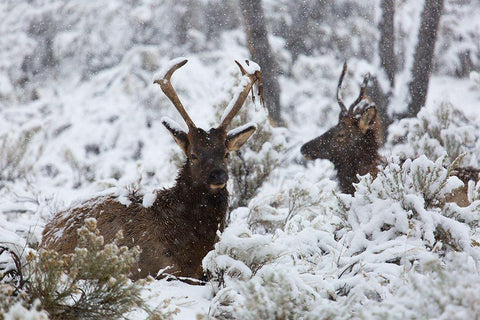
(179, 228)
(352, 145)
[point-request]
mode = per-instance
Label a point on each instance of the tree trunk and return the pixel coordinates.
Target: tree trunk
(261, 53)
(295, 41)
(387, 40)
(423, 58)
(386, 52)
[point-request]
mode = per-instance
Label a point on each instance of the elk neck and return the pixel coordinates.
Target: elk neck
(197, 199)
(364, 159)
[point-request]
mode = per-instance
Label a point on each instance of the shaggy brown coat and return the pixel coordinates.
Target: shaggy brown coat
(164, 227)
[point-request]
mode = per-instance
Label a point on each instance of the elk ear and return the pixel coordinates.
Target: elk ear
(177, 132)
(367, 120)
(238, 136)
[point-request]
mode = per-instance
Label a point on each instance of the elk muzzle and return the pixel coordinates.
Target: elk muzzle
(305, 151)
(315, 149)
(217, 179)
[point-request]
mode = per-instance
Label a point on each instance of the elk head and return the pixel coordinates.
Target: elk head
(207, 151)
(353, 143)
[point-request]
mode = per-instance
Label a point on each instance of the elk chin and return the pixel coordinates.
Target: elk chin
(215, 187)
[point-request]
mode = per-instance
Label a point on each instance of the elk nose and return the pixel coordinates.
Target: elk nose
(305, 151)
(217, 177)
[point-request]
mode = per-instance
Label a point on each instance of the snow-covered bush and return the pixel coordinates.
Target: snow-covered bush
(406, 202)
(275, 293)
(458, 43)
(435, 132)
(339, 253)
(431, 289)
(91, 282)
(268, 248)
(12, 297)
(14, 164)
(443, 290)
(17, 310)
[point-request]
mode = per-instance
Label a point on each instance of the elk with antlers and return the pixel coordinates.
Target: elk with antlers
(179, 228)
(352, 145)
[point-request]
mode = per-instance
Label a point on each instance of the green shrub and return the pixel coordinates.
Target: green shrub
(90, 283)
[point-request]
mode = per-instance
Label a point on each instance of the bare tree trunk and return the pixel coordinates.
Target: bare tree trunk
(386, 46)
(423, 59)
(261, 53)
(295, 41)
(387, 40)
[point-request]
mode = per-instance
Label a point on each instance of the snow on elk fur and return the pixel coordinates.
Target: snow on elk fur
(179, 227)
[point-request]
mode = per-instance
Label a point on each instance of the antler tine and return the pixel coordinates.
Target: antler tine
(339, 98)
(242, 69)
(170, 92)
(363, 89)
(234, 107)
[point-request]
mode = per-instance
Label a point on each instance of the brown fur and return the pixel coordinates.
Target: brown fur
(460, 195)
(165, 232)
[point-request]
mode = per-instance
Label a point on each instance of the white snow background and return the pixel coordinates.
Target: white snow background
(80, 115)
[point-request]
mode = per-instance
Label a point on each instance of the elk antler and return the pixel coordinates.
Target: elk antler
(235, 105)
(339, 98)
(361, 96)
(170, 92)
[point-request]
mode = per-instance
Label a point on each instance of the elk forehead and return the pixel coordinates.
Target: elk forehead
(207, 143)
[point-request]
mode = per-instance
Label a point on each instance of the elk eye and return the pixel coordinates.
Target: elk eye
(227, 155)
(193, 157)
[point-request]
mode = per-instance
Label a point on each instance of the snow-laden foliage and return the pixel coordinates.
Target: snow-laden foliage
(13, 163)
(16, 310)
(92, 282)
(89, 283)
(345, 252)
(432, 289)
(435, 132)
(407, 201)
(459, 43)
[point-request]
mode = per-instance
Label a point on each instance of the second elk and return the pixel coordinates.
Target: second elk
(352, 145)
(180, 227)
